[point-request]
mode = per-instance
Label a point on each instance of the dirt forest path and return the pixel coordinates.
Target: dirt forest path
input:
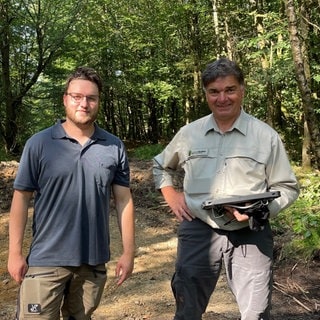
(147, 294)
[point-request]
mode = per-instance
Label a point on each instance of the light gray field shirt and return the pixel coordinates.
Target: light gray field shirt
(248, 159)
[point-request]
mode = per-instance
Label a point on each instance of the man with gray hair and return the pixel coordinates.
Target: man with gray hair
(227, 153)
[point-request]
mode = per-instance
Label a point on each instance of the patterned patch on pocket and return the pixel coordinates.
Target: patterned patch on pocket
(34, 308)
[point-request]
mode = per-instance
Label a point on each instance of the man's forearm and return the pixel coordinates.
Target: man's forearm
(18, 220)
(128, 229)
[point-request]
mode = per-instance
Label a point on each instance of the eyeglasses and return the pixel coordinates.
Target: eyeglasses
(78, 97)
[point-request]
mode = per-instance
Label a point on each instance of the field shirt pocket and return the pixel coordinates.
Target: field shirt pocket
(245, 170)
(200, 169)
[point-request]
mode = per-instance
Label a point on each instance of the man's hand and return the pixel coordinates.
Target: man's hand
(124, 268)
(177, 203)
(17, 267)
(233, 214)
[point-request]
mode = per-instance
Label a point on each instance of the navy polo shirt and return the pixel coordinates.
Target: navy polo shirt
(72, 185)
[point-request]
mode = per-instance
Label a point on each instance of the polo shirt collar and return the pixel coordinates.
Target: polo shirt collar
(59, 133)
(98, 133)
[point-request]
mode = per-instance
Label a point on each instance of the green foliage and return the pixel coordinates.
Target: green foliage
(35, 34)
(150, 55)
(147, 152)
(301, 221)
(4, 156)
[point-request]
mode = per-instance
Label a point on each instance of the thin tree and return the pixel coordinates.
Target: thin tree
(301, 67)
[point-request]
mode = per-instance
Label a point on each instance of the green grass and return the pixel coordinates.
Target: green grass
(146, 152)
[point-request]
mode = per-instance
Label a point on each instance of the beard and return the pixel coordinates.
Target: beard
(82, 118)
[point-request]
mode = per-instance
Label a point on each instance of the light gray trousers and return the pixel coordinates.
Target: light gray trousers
(247, 256)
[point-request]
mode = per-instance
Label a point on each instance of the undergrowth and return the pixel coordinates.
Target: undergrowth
(147, 152)
(300, 223)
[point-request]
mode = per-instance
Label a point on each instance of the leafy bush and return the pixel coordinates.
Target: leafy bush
(301, 221)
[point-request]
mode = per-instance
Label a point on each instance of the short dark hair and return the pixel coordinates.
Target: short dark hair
(85, 73)
(222, 67)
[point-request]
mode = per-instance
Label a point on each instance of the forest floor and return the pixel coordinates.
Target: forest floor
(147, 294)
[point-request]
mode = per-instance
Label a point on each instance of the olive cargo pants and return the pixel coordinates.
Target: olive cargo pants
(73, 292)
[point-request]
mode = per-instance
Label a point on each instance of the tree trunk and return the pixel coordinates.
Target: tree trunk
(12, 104)
(153, 131)
(215, 21)
(303, 83)
(306, 145)
(306, 159)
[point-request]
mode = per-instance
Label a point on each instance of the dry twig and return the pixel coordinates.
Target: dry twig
(280, 288)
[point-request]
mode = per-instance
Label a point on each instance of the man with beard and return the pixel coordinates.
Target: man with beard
(71, 169)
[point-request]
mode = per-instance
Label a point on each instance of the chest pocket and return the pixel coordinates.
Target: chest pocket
(200, 168)
(236, 170)
(104, 174)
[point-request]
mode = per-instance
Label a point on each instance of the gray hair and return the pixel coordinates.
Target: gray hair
(220, 68)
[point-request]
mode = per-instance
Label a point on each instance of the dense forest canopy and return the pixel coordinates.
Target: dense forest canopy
(151, 54)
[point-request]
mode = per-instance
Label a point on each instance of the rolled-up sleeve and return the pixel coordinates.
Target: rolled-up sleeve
(166, 163)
